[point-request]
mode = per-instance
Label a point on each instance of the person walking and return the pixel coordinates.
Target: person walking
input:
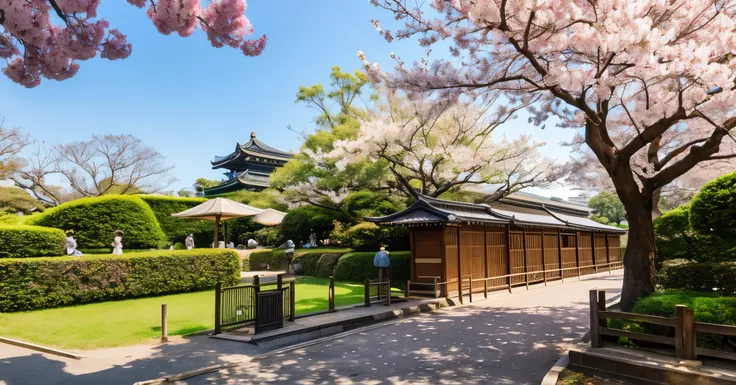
(289, 257)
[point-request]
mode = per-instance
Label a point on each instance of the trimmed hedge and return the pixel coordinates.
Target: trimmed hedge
(39, 283)
(357, 267)
(367, 236)
(177, 229)
(326, 264)
(713, 210)
(31, 241)
(703, 277)
(308, 262)
(95, 219)
(274, 259)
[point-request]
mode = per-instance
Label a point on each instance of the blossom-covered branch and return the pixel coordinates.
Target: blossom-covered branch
(35, 47)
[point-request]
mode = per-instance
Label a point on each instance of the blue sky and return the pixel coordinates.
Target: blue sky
(191, 101)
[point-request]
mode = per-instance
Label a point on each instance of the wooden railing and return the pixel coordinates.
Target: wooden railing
(684, 339)
(382, 289)
(436, 287)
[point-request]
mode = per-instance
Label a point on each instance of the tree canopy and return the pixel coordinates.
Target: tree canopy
(607, 205)
(34, 46)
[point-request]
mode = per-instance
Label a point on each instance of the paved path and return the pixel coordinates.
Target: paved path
(509, 339)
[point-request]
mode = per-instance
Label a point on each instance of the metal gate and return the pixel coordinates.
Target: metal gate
(270, 314)
(234, 305)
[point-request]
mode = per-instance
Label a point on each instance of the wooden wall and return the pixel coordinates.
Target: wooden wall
(494, 251)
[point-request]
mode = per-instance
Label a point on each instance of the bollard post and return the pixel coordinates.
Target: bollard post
(164, 321)
(218, 307)
(292, 301)
(485, 288)
(256, 283)
(331, 295)
(367, 295)
(388, 295)
(470, 287)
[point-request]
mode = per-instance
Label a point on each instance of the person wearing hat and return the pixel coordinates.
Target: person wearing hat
(383, 263)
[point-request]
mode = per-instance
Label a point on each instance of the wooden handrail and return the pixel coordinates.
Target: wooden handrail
(726, 330)
(652, 319)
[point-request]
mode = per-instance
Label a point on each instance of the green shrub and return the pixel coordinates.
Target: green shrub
(30, 241)
(676, 239)
(707, 307)
(271, 259)
(368, 236)
(13, 200)
(713, 210)
(309, 262)
(300, 222)
(326, 264)
(268, 236)
(95, 219)
(358, 266)
(39, 283)
(245, 263)
(702, 277)
(179, 246)
(10, 219)
(177, 229)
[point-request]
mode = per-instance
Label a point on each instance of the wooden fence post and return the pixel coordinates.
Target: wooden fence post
(485, 288)
(331, 295)
(602, 307)
(470, 286)
(408, 285)
(279, 281)
(684, 333)
(595, 337)
(388, 294)
(292, 301)
(256, 283)
(436, 290)
(218, 307)
(164, 321)
(367, 288)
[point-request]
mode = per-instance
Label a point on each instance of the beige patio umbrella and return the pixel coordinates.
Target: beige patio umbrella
(216, 210)
(269, 217)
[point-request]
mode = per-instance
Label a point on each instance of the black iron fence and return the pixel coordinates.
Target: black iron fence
(251, 304)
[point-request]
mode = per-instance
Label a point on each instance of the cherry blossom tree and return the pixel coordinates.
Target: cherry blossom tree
(629, 74)
(433, 148)
(47, 38)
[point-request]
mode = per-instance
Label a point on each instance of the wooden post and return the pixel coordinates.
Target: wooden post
(408, 285)
(544, 261)
(577, 252)
(331, 294)
(256, 283)
(164, 323)
(279, 281)
(595, 337)
(470, 287)
(523, 246)
(602, 307)
(388, 295)
(436, 290)
(459, 269)
(508, 253)
(559, 255)
(485, 261)
(367, 295)
(684, 333)
(292, 301)
(217, 232)
(608, 255)
(218, 307)
(592, 250)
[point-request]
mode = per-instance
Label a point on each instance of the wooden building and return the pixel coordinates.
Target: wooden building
(514, 241)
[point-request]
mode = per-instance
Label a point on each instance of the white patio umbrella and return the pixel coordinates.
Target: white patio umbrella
(216, 210)
(269, 217)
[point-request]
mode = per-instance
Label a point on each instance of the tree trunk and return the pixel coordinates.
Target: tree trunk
(639, 257)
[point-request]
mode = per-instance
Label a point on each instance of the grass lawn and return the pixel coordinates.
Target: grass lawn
(133, 321)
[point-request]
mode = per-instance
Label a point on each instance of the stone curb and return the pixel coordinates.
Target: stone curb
(554, 374)
(39, 348)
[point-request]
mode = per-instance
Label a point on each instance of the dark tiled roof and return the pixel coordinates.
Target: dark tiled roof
(427, 210)
(253, 147)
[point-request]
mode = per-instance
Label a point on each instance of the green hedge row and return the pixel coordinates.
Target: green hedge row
(94, 220)
(39, 283)
(357, 267)
(177, 229)
(704, 277)
(31, 241)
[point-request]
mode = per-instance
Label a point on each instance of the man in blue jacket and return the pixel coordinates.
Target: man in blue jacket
(383, 263)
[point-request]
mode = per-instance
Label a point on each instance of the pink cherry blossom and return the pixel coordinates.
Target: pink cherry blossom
(36, 47)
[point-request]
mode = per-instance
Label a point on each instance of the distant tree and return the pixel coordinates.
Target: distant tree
(34, 46)
(109, 164)
(432, 148)
(607, 205)
(184, 193)
(14, 200)
(12, 142)
(202, 184)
